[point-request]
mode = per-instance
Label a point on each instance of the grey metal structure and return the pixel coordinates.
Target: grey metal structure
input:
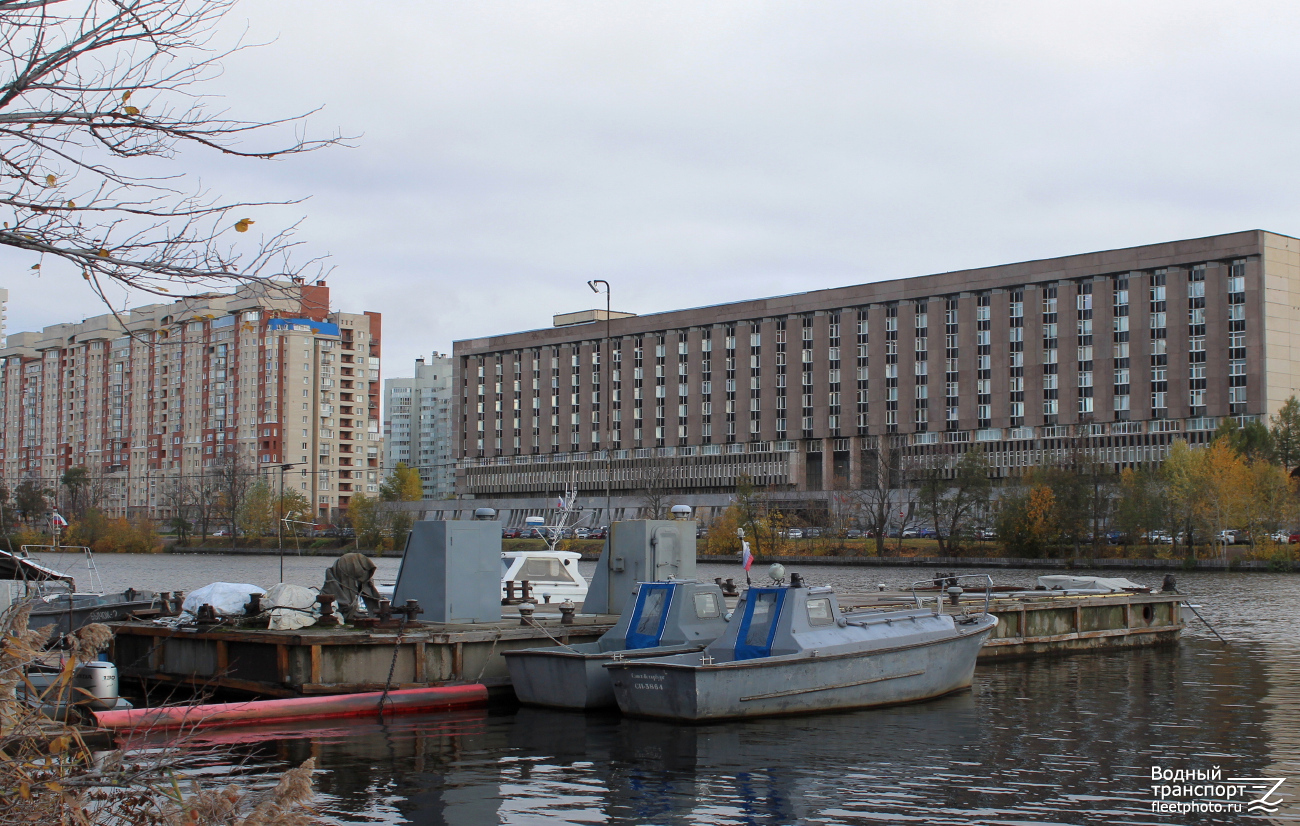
(790, 650)
(640, 550)
(665, 618)
(454, 570)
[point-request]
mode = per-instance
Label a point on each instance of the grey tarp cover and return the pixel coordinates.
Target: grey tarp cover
(1086, 583)
(349, 580)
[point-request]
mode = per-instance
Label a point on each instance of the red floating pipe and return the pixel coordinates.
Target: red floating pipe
(406, 701)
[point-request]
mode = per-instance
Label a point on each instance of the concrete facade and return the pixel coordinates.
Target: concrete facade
(267, 375)
(1127, 349)
(418, 427)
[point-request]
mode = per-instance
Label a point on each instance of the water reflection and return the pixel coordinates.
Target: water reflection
(1070, 740)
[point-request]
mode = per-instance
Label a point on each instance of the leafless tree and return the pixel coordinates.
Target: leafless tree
(90, 91)
(231, 480)
(654, 480)
(206, 500)
(180, 497)
(885, 491)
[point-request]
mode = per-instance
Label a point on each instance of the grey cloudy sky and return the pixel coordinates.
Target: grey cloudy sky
(694, 153)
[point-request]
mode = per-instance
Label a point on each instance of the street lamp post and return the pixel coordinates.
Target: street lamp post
(607, 396)
(279, 524)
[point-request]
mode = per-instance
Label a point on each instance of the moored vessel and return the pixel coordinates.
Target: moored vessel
(791, 650)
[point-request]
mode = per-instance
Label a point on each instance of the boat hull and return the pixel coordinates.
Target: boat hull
(800, 684)
(65, 619)
(556, 678)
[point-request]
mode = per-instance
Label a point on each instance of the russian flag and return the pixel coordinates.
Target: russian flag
(58, 520)
(745, 555)
(559, 503)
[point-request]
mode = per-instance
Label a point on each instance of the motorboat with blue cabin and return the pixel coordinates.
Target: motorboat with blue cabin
(791, 650)
(666, 618)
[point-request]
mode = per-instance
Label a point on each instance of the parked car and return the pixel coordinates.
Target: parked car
(811, 533)
(1294, 538)
(511, 533)
(1280, 536)
(1226, 537)
(1114, 537)
(853, 533)
(582, 533)
(1158, 538)
(602, 532)
(927, 533)
(794, 533)
(222, 532)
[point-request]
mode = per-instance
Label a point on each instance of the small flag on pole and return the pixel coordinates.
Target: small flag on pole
(59, 521)
(559, 503)
(745, 555)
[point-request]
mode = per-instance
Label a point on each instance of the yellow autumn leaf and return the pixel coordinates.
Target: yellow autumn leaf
(131, 110)
(126, 96)
(24, 791)
(59, 745)
(102, 253)
(36, 266)
(243, 224)
(72, 204)
(51, 179)
(54, 787)
(85, 275)
(163, 290)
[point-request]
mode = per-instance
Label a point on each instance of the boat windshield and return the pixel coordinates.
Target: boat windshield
(758, 625)
(651, 611)
(543, 569)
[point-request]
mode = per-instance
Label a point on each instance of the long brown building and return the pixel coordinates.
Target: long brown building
(1128, 349)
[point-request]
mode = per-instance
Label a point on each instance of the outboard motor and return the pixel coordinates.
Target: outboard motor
(95, 685)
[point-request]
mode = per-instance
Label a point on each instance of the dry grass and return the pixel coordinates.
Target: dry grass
(48, 774)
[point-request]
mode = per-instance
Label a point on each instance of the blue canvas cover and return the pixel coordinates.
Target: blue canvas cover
(650, 615)
(758, 625)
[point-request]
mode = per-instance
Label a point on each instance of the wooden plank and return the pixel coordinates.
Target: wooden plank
(315, 664)
(282, 663)
(419, 663)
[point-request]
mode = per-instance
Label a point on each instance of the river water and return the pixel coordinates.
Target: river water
(1057, 740)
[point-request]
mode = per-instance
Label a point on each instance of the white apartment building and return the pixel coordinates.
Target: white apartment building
(267, 374)
(418, 425)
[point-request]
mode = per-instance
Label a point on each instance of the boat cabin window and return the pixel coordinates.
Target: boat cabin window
(706, 606)
(819, 612)
(543, 569)
(652, 611)
(763, 617)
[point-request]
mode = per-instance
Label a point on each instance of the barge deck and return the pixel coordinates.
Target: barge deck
(345, 660)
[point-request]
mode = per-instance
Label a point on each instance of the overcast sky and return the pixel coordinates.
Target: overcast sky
(694, 153)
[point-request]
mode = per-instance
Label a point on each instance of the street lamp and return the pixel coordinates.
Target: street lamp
(279, 524)
(607, 397)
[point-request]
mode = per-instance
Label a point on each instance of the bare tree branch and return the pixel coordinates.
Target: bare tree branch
(90, 87)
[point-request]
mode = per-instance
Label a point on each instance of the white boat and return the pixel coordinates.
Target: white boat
(552, 576)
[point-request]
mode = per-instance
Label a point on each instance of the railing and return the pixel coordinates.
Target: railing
(950, 582)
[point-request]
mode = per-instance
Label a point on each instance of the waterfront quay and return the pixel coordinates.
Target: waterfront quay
(346, 660)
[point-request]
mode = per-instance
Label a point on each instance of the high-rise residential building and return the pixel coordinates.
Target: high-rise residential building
(4, 315)
(418, 427)
(265, 377)
(1122, 351)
